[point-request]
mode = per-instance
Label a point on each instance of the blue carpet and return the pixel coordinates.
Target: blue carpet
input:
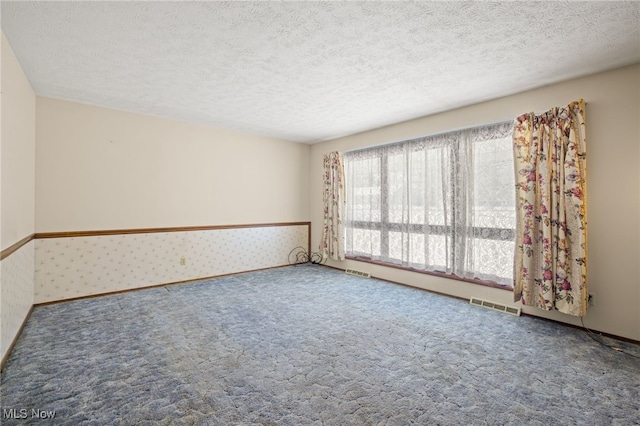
(308, 345)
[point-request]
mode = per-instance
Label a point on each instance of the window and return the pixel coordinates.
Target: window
(442, 203)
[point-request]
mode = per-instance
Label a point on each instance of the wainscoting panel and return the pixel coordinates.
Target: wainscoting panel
(77, 266)
(17, 292)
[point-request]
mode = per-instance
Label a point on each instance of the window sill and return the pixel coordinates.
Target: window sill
(485, 283)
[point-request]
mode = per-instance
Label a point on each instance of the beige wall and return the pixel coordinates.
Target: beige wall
(613, 153)
(103, 169)
(17, 146)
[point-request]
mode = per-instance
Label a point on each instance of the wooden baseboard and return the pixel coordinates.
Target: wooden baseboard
(579, 327)
(109, 293)
(612, 336)
(15, 339)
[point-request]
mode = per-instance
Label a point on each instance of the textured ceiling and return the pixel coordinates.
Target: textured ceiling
(311, 71)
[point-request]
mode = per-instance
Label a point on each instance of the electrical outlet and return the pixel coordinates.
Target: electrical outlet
(183, 261)
(592, 299)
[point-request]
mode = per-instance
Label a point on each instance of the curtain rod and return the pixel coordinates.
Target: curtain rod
(457, 129)
(548, 109)
(428, 135)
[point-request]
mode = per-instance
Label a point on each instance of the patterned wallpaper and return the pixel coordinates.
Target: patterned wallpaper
(17, 292)
(82, 266)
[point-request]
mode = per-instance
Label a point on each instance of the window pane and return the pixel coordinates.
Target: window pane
(494, 183)
(417, 252)
(417, 194)
(417, 255)
(493, 260)
(363, 242)
(427, 250)
(396, 184)
(395, 247)
(427, 186)
(437, 190)
(418, 186)
(437, 246)
(363, 190)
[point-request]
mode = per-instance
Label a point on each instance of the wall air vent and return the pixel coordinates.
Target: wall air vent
(357, 273)
(495, 306)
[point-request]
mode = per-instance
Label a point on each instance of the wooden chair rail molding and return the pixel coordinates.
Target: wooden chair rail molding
(69, 234)
(15, 247)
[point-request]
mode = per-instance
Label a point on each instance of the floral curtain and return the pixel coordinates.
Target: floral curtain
(333, 200)
(550, 267)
